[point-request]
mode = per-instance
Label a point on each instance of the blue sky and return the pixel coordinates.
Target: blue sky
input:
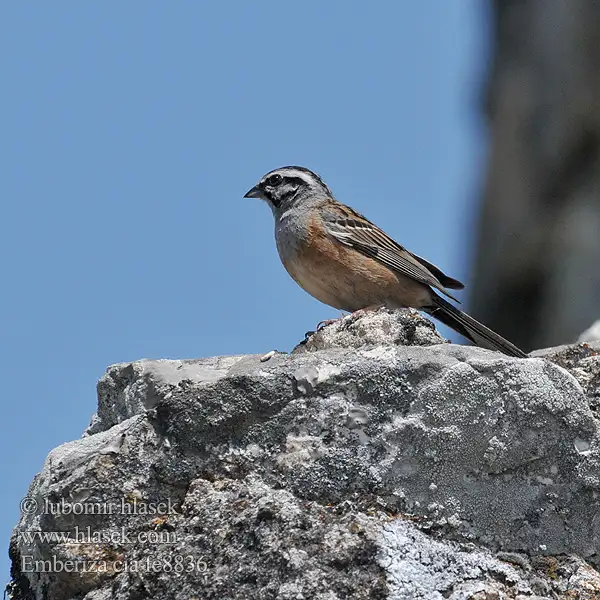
(131, 131)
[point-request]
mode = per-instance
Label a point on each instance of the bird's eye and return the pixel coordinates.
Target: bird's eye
(274, 180)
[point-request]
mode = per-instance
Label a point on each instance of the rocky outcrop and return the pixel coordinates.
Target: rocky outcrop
(591, 334)
(360, 466)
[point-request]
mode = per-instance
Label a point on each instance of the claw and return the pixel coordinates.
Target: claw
(354, 315)
(325, 323)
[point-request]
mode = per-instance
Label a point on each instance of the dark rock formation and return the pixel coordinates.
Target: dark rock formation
(537, 280)
(340, 471)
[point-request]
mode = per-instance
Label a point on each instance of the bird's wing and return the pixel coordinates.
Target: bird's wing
(353, 229)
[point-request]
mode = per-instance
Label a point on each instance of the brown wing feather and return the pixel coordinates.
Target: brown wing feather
(353, 229)
(446, 280)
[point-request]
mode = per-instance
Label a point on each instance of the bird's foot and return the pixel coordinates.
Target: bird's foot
(322, 324)
(363, 311)
(353, 316)
(330, 321)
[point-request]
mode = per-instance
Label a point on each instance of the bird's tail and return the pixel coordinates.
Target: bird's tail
(473, 330)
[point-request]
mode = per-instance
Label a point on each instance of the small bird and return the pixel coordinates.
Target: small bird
(342, 259)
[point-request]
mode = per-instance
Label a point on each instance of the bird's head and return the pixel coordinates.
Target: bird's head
(288, 186)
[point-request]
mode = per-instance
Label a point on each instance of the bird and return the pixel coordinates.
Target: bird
(344, 260)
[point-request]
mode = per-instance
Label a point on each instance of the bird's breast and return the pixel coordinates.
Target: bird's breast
(339, 275)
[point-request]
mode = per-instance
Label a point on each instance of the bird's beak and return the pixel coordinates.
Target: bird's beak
(255, 192)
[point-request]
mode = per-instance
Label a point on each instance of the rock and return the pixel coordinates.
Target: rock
(338, 471)
(591, 334)
(421, 567)
(583, 362)
(382, 328)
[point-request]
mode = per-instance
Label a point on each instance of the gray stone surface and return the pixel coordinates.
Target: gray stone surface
(338, 471)
(405, 327)
(592, 333)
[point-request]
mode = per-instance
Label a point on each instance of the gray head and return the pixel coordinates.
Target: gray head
(287, 186)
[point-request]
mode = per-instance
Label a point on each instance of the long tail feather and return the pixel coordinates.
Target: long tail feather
(473, 330)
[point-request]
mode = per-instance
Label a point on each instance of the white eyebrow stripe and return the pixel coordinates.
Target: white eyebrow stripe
(306, 177)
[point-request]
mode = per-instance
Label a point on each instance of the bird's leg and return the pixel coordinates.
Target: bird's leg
(355, 315)
(361, 311)
(326, 322)
(322, 324)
